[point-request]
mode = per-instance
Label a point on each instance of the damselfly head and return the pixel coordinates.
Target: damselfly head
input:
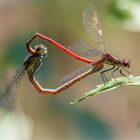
(126, 62)
(41, 49)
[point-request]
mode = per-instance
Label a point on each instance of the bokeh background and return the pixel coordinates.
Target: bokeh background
(111, 116)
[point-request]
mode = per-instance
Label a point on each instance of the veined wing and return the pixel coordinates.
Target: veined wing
(79, 72)
(92, 25)
(84, 49)
(7, 98)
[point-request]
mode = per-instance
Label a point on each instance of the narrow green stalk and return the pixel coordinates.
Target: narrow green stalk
(111, 85)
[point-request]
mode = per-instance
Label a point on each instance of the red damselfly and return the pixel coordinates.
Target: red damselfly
(38, 53)
(92, 25)
(31, 66)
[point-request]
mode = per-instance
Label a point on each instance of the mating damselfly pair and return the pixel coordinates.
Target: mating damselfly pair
(38, 53)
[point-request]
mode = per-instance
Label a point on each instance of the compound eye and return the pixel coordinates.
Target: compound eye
(39, 48)
(126, 63)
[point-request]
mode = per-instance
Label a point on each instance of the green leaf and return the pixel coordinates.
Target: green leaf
(111, 85)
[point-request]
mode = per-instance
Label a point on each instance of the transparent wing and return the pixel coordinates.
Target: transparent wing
(92, 25)
(78, 72)
(84, 49)
(7, 98)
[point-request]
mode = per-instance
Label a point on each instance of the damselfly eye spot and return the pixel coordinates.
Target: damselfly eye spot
(41, 49)
(126, 63)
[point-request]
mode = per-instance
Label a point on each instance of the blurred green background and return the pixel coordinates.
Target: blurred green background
(112, 116)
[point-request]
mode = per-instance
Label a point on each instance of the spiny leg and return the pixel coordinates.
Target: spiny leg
(126, 70)
(104, 76)
(123, 74)
(118, 66)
